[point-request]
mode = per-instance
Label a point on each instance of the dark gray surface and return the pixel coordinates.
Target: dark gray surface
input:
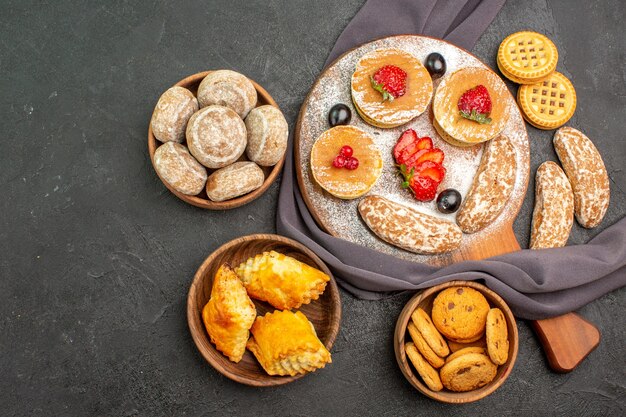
(97, 255)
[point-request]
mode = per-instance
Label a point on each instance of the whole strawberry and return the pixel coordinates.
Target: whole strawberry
(475, 104)
(390, 81)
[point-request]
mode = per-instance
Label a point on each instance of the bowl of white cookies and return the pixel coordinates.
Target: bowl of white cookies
(217, 139)
(456, 342)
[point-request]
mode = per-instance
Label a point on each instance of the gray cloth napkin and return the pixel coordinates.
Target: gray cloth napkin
(536, 284)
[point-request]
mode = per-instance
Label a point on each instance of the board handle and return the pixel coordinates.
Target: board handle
(566, 339)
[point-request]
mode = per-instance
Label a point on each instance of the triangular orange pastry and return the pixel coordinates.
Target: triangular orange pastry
(285, 343)
(281, 280)
(229, 314)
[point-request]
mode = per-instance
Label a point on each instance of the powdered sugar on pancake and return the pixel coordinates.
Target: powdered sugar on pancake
(450, 90)
(419, 89)
(340, 217)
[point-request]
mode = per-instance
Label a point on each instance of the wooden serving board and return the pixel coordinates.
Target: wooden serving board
(340, 217)
(564, 349)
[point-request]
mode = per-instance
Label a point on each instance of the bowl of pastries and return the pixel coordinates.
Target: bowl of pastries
(456, 342)
(217, 139)
(264, 310)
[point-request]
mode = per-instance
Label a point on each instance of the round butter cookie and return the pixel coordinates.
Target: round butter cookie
(423, 348)
(171, 114)
(456, 346)
(527, 57)
(459, 313)
(548, 104)
(394, 112)
(267, 135)
(448, 116)
(427, 372)
(497, 336)
(429, 332)
(179, 169)
(342, 182)
(520, 80)
(468, 372)
(230, 89)
(465, 351)
(216, 136)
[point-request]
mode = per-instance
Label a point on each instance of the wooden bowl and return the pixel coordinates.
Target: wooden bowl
(425, 300)
(201, 200)
(324, 313)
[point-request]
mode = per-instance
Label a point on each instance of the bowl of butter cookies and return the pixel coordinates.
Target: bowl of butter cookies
(264, 310)
(456, 342)
(217, 139)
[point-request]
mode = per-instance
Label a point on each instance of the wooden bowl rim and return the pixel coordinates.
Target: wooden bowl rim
(198, 332)
(450, 396)
(153, 144)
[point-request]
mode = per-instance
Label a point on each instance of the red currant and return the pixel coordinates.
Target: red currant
(351, 163)
(339, 161)
(346, 151)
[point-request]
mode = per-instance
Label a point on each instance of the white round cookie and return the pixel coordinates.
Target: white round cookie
(234, 180)
(178, 168)
(216, 136)
(229, 89)
(268, 133)
(171, 114)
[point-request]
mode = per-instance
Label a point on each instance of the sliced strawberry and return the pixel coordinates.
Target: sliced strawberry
(407, 139)
(432, 170)
(411, 161)
(421, 144)
(409, 147)
(435, 155)
(425, 143)
(407, 152)
(424, 188)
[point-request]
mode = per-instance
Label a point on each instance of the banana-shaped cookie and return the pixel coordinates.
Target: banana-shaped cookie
(554, 208)
(587, 174)
(491, 188)
(407, 228)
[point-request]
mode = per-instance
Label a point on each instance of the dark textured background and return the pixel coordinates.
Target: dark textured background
(97, 255)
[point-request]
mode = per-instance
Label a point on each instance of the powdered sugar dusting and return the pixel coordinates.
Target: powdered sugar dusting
(553, 215)
(414, 102)
(340, 217)
(586, 172)
(447, 97)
